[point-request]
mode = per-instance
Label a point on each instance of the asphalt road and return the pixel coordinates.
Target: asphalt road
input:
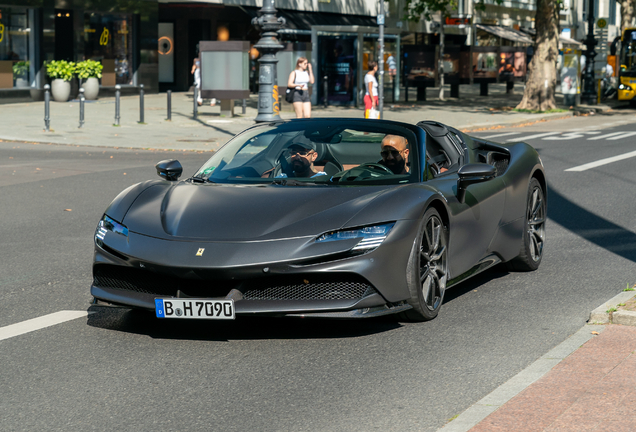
(116, 369)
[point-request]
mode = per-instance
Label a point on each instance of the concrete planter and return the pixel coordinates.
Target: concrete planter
(91, 88)
(61, 90)
(21, 83)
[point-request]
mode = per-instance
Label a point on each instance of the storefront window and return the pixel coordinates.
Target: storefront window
(15, 62)
(339, 63)
(108, 38)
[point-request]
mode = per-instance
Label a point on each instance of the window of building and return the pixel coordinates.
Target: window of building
(15, 60)
(108, 38)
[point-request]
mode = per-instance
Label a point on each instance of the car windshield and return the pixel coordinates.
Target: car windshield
(317, 152)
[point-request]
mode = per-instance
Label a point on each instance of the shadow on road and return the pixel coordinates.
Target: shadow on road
(243, 328)
(591, 227)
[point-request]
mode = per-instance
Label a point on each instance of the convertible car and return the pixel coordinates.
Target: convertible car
(337, 218)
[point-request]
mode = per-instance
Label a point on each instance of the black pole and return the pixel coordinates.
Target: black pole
(195, 106)
(169, 94)
(589, 89)
(325, 87)
(47, 100)
(81, 101)
(268, 24)
(117, 97)
(141, 103)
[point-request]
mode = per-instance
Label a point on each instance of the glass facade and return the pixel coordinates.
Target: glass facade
(15, 59)
(109, 38)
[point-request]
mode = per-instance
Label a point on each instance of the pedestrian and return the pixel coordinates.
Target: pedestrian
(196, 71)
(371, 96)
(299, 79)
(392, 66)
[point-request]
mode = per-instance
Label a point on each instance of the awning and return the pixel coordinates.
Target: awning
(300, 20)
(506, 33)
(563, 40)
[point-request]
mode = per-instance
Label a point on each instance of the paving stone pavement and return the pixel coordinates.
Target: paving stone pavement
(25, 121)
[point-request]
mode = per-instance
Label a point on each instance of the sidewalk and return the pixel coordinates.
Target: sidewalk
(25, 121)
(587, 383)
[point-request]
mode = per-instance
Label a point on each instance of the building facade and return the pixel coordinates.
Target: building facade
(121, 35)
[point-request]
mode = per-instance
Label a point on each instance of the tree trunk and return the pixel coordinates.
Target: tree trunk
(627, 13)
(541, 78)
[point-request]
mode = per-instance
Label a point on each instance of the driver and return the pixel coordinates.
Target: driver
(395, 154)
(303, 154)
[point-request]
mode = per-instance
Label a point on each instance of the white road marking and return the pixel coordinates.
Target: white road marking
(606, 161)
(39, 323)
(219, 121)
(571, 135)
(500, 135)
(625, 135)
(541, 135)
(605, 136)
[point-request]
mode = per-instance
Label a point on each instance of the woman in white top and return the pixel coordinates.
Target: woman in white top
(371, 87)
(299, 79)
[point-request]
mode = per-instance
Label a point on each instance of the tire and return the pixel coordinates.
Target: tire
(531, 251)
(427, 269)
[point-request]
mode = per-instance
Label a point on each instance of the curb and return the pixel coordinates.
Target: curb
(476, 127)
(600, 315)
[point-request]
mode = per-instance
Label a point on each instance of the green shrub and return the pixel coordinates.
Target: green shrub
(89, 69)
(60, 69)
(21, 69)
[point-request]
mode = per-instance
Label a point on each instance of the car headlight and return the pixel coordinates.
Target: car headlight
(370, 237)
(110, 224)
(624, 87)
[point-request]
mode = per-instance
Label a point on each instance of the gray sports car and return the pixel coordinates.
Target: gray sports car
(323, 217)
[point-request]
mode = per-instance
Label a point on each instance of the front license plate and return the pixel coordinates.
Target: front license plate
(194, 308)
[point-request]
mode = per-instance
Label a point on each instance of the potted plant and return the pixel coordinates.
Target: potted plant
(21, 73)
(89, 72)
(61, 72)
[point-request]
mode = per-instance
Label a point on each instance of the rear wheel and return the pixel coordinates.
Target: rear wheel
(531, 251)
(427, 269)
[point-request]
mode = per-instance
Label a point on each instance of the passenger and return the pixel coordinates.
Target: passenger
(395, 154)
(303, 154)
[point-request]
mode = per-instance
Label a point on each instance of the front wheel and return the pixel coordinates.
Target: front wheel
(531, 251)
(427, 269)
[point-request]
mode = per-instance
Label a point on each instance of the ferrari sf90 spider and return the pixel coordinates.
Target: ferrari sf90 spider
(323, 217)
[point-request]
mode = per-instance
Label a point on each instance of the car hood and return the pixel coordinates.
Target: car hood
(240, 213)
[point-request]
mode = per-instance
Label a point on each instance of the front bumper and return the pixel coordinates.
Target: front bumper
(326, 283)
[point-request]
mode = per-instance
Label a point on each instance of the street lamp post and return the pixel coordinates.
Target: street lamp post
(268, 24)
(589, 90)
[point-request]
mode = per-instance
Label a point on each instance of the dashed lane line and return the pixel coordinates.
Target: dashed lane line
(601, 162)
(39, 323)
(529, 137)
(500, 135)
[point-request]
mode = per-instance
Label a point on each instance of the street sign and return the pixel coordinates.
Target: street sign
(601, 22)
(380, 19)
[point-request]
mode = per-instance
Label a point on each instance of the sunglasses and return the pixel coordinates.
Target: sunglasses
(302, 152)
(394, 153)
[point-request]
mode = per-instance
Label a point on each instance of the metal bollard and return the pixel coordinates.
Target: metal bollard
(47, 100)
(245, 106)
(169, 94)
(325, 87)
(81, 100)
(117, 96)
(141, 103)
(196, 95)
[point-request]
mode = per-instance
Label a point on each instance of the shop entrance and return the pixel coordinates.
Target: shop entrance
(64, 41)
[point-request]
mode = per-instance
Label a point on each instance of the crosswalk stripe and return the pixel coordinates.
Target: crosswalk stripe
(500, 135)
(34, 324)
(601, 162)
(529, 137)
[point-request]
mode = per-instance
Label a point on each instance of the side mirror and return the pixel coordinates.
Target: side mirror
(473, 173)
(169, 169)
